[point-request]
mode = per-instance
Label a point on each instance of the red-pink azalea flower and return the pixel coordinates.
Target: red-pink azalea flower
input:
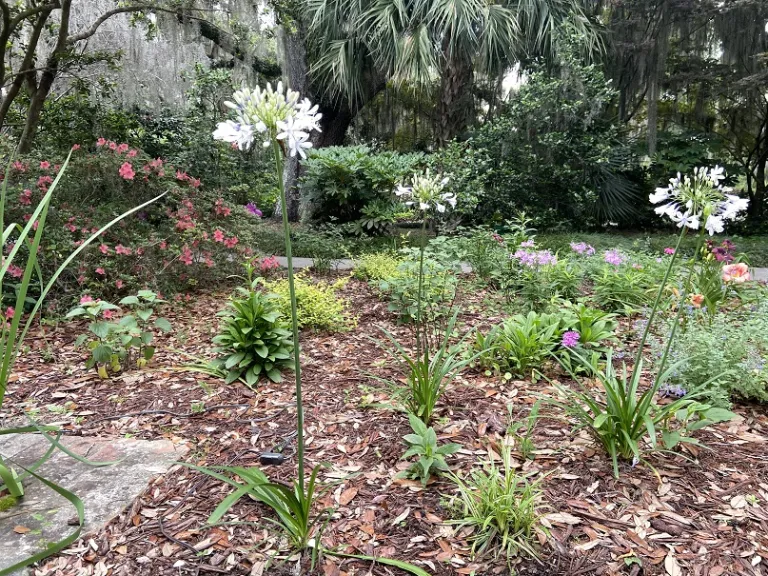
(131, 153)
(109, 314)
(113, 146)
(100, 271)
(44, 165)
(119, 284)
(126, 171)
(75, 147)
(100, 142)
(231, 242)
(218, 236)
(86, 299)
(104, 249)
(122, 148)
(15, 271)
(10, 312)
(25, 197)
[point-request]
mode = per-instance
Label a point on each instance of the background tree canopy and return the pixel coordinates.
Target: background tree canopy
(571, 110)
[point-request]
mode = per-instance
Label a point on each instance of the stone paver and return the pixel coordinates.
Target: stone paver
(105, 491)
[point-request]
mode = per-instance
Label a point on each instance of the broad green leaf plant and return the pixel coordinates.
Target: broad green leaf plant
(25, 241)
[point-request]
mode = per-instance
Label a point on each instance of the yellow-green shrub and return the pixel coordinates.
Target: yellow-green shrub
(317, 304)
(376, 266)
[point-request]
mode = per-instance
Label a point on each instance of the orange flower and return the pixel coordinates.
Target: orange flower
(697, 300)
(736, 273)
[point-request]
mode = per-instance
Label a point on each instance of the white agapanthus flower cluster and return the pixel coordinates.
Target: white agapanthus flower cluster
(689, 201)
(426, 192)
(278, 114)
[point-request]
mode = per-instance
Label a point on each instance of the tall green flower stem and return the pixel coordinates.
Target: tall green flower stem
(278, 152)
(685, 292)
(422, 245)
(656, 302)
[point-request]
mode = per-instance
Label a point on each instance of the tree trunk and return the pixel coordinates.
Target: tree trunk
(27, 64)
(46, 81)
(656, 77)
(455, 106)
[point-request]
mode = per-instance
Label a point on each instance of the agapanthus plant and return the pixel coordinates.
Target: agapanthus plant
(701, 198)
(426, 193)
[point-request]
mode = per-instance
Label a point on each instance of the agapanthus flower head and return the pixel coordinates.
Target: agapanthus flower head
(689, 201)
(427, 192)
(276, 113)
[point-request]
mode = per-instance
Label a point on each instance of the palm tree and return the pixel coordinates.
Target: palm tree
(357, 43)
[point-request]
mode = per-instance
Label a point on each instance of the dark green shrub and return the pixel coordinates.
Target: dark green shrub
(347, 184)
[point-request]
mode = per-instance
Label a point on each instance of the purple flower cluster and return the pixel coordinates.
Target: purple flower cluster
(723, 252)
(570, 339)
(527, 244)
(582, 248)
(614, 257)
(535, 258)
(251, 207)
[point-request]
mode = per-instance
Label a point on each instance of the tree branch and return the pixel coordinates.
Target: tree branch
(103, 18)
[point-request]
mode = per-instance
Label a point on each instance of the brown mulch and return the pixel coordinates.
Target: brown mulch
(704, 514)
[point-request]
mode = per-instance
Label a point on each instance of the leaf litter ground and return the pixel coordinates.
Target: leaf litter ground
(706, 514)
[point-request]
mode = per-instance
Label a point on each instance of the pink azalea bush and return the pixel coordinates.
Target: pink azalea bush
(191, 238)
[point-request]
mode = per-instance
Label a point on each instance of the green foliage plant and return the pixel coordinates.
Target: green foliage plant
(420, 291)
(255, 340)
(501, 507)
(128, 340)
(423, 443)
(12, 334)
(318, 305)
(519, 344)
(427, 374)
(622, 289)
(376, 267)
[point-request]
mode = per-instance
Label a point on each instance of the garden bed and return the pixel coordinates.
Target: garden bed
(703, 514)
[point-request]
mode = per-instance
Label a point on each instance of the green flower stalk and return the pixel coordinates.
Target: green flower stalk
(286, 124)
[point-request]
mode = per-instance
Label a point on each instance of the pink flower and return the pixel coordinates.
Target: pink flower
(71, 227)
(181, 176)
(100, 142)
(100, 271)
(119, 284)
(163, 245)
(104, 249)
(126, 171)
(194, 182)
(43, 182)
(186, 255)
(736, 273)
(19, 166)
(75, 147)
(218, 236)
(157, 163)
(25, 197)
(120, 249)
(86, 299)
(44, 165)
(15, 271)
(131, 153)
(10, 312)
(122, 148)
(669, 251)
(81, 279)
(112, 146)
(108, 314)
(231, 242)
